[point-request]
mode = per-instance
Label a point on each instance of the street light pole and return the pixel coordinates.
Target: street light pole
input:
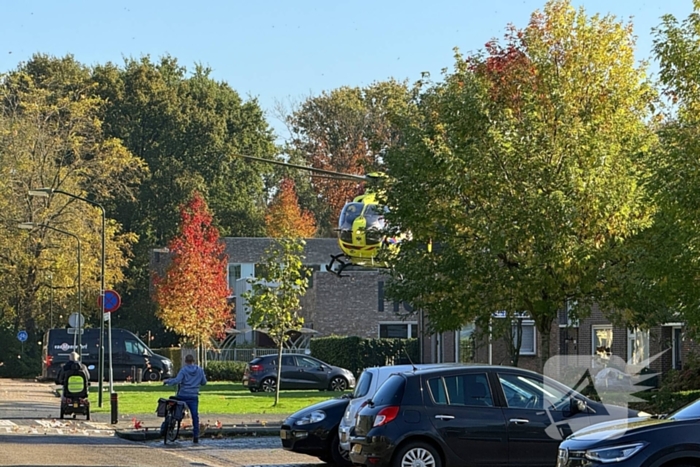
(32, 226)
(44, 193)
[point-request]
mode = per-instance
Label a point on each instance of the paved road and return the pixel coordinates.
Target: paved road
(25, 450)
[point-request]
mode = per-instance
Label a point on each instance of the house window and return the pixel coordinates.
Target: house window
(233, 271)
(602, 344)
(398, 330)
(528, 343)
(637, 346)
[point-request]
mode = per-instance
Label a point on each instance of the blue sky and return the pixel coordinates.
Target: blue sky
(281, 51)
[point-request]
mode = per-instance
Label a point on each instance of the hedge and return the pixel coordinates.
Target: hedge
(225, 371)
(357, 353)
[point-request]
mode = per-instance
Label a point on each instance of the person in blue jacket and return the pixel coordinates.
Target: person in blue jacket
(190, 378)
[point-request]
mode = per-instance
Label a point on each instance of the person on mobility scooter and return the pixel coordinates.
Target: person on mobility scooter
(75, 379)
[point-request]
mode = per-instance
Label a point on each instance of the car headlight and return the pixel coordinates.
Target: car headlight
(615, 453)
(314, 417)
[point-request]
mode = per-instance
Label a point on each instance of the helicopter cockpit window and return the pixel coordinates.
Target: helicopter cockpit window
(350, 212)
(374, 217)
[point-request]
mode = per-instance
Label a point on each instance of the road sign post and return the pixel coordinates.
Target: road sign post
(110, 301)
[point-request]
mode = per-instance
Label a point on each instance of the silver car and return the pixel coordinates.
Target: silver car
(369, 382)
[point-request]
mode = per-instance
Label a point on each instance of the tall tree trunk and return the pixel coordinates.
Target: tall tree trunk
(545, 329)
(279, 371)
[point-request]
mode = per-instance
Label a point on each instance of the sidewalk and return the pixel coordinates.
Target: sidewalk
(29, 407)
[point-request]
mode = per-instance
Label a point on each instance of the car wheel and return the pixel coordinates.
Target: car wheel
(338, 384)
(152, 375)
(268, 385)
(340, 456)
(417, 454)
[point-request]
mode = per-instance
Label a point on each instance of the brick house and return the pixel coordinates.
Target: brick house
(595, 337)
(352, 305)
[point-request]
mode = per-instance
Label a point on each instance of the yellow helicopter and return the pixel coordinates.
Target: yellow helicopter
(361, 225)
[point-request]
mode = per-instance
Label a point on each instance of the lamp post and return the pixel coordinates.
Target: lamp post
(45, 193)
(32, 226)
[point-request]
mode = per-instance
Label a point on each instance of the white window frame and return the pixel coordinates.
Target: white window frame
(529, 323)
(232, 285)
(632, 342)
(408, 324)
(594, 353)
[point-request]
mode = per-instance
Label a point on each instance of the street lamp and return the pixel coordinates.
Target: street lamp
(45, 193)
(32, 226)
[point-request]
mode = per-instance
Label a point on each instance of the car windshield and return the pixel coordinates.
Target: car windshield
(391, 391)
(691, 410)
(363, 384)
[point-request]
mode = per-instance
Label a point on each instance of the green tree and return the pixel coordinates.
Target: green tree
(658, 273)
(192, 296)
(529, 167)
(186, 126)
(274, 300)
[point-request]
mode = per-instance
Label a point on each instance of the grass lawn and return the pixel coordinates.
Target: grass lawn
(214, 398)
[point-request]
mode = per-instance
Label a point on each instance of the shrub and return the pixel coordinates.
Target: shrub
(357, 353)
(225, 371)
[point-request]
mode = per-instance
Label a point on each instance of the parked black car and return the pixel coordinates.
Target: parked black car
(642, 442)
(298, 372)
(472, 415)
(313, 430)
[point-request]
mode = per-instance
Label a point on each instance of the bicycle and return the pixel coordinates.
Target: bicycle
(173, 411)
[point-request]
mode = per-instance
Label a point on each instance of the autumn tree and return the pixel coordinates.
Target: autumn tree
(345, 130)
(529, 164)
(274, 302)
(192, 296)
(285, 218)
(51, 136)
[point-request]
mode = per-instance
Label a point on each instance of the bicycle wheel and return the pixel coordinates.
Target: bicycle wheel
(173, 429)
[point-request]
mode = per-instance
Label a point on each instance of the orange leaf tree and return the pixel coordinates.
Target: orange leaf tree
(192, 297)
(285, 218)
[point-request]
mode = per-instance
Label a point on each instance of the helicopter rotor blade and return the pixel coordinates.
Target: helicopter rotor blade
(327, 173)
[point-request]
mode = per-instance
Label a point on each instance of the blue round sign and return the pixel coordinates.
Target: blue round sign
(22, 336)
(112, 301)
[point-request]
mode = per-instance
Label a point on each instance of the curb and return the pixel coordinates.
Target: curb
(153, 433)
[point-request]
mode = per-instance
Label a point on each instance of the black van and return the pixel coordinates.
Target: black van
(129, 354)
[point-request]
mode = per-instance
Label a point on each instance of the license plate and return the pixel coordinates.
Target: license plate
(75, 405)
(356, 448)
(245, 382)
(284, 434)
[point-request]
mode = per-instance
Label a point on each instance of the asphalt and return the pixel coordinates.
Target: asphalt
(31, 407)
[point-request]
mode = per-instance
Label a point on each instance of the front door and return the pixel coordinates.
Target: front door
(538, 415)
(462, 410)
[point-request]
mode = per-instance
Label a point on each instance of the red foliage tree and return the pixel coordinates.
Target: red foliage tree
(192, 296)
(285, 218)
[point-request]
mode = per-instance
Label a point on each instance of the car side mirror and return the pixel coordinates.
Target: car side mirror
(577, 406)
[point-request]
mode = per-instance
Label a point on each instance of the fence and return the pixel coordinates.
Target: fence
(243, 355)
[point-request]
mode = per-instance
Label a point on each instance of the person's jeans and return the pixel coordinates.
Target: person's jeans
(193, 406)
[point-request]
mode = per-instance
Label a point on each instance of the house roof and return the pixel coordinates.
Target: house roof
(252, 249)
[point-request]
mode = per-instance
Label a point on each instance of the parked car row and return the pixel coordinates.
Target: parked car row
(473, 415)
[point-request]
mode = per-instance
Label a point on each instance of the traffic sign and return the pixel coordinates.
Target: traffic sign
(22, 336)
(76, 320)
(112, 301)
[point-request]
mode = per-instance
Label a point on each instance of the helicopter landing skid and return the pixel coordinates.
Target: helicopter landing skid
(338, 264)
(341, 262)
